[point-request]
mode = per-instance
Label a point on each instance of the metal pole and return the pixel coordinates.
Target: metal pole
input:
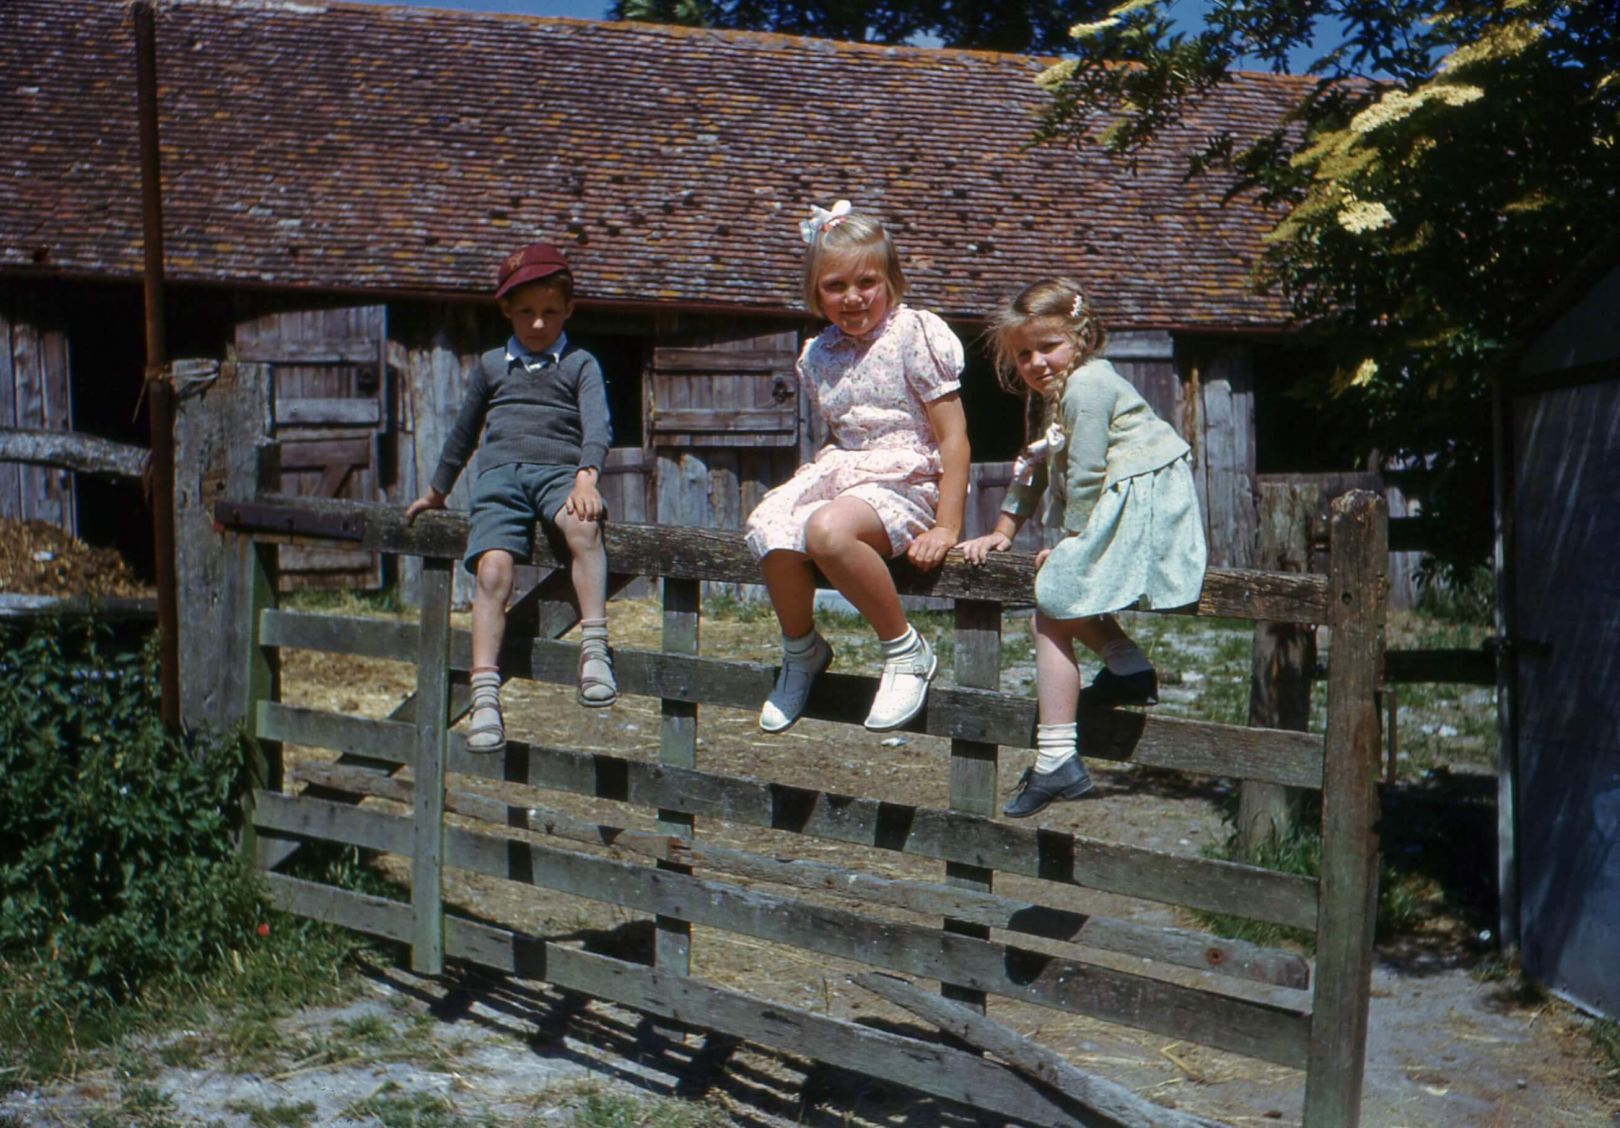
(159, 393)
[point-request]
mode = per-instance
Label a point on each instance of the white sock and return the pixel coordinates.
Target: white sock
(902, 646)
(1122, 657)
(1054, 744)
(802, 646)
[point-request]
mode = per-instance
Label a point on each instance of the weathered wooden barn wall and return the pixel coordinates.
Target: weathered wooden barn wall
(333, 404)
(35, 393)
(1560, 797)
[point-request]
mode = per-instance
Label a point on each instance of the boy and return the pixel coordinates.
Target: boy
(542, 452)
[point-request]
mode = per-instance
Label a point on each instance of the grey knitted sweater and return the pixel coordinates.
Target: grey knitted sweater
(556, 415)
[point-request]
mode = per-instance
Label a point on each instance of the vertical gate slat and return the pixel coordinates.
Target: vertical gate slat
(1349, 880)
(255, 582)
(427, 790)
(677, 747)
(973, 762)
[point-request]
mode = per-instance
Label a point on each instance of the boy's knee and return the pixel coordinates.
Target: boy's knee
(494, 572)
(582, 536)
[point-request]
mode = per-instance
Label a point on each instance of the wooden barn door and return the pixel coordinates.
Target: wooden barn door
(331, 410)
(34, 395)
(1565, 608)
(725, 424)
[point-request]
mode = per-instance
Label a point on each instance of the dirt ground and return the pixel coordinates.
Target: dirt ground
(1451, 1044)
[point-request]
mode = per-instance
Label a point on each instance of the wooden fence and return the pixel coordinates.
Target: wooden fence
(1269, 1004)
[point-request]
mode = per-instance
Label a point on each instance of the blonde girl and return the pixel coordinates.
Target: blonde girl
(1118, 484)
(891, 481)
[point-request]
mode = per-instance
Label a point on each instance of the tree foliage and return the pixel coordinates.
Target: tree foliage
(1038, 26)
(1426, 210)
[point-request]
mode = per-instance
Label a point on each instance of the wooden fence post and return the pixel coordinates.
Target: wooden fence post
(1348, 906)
(1284, 659)
(973, 762)
(427, 786)
(677, 747)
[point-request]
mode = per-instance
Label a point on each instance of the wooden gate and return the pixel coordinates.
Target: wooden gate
(1266, 1003)
(331, 415)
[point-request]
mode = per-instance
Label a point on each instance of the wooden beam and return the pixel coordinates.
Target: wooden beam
(1200, 883)
(713, 554)
(1349, 881)
(1260, 1022)
(1181, 947)
(428, 767)
(72, 450)
(1114, 1103)
(1203, 747)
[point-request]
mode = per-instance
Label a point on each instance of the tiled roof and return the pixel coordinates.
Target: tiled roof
(353, 147)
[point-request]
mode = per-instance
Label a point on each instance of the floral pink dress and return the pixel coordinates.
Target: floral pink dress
(872, 391)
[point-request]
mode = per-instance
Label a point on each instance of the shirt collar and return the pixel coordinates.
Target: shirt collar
(530, 360)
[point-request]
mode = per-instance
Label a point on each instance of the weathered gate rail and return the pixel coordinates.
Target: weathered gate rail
(1265, 1003)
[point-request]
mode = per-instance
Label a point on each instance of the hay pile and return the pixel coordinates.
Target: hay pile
(38, 558)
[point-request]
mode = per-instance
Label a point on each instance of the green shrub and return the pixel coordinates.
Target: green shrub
(116, 861)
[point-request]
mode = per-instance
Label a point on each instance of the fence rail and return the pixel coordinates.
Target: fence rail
(952, 926)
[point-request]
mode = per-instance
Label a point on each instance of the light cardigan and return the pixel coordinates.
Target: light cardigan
(1110, 434)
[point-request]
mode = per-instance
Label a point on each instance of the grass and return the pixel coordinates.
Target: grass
(615, 1110)
(1605, 1036)
(279, 1115)
(393, 1108)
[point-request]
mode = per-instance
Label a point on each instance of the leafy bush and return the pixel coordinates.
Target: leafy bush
(116, 861)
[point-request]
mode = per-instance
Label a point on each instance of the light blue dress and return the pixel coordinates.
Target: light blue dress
(1120, 486)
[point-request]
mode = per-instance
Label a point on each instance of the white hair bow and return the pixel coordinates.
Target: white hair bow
(822, 220)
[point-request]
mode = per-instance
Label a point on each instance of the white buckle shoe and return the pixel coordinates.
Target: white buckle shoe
(903, 688)
(793, 684)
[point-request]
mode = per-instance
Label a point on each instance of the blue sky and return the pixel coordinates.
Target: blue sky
(1186, 11)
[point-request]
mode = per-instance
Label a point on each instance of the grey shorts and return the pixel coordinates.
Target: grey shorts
(506, 503)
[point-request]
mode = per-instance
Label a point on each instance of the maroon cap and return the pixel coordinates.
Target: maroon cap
(537, 260)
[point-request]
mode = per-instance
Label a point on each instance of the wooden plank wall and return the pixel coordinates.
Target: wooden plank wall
(331, 401)
(1224, 456)
(34, 393)
(434, 352)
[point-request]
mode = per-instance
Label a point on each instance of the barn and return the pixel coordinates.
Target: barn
(339, 180)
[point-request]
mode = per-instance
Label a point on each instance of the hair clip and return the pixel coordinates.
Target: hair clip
(821, 219)
(1078, 307)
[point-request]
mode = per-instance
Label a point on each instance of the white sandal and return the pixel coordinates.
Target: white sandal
(486, 730)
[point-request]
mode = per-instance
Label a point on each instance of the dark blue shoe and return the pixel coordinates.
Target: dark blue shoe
(1036, 790)
(1109, 689)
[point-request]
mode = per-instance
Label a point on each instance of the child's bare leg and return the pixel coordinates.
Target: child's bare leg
(1127, 677)
(1057, 772)
(588, 571)
(792, 588)
(493, 589)
(1057, 675)
(849, 544)
(486, 731)
(851, 547)
(805, 654)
